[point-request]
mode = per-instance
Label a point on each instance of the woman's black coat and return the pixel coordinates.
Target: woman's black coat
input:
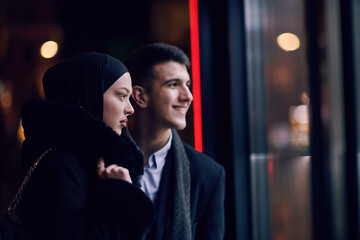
(64, 198)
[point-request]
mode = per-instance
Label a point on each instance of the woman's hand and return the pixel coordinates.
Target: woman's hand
(112, 171)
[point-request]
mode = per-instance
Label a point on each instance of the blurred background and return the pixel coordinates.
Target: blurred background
(278, 82)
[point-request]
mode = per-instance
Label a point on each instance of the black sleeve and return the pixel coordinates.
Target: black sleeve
(212, 224)
(117, 201)
(57, 204)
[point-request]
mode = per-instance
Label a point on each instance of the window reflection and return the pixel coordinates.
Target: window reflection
(279, 110)
(356, 40)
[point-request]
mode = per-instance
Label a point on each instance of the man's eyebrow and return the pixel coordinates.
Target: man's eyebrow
(174, 80)
(171, 80)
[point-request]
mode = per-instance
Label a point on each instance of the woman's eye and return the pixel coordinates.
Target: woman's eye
(121, 96)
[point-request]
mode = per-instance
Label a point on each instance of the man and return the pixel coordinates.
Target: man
(186, 186)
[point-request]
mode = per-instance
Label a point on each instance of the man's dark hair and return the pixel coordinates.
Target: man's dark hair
(142, 60)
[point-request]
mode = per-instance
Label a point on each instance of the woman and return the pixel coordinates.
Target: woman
(86, 186)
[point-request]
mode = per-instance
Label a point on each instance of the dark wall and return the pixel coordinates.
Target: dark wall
(216, 100)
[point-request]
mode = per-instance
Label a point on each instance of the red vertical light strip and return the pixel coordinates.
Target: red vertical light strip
(195, 63)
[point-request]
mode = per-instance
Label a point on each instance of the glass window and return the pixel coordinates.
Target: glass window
(356, 40)
(279, 122)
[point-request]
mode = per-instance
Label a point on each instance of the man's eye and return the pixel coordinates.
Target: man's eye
(172, 84)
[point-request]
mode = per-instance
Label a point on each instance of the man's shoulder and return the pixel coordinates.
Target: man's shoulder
(201, 160)
(204, 170)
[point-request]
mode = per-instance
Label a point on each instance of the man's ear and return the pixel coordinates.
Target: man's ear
(140, 96)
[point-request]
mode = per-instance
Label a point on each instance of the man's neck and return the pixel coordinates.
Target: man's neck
(149, 139)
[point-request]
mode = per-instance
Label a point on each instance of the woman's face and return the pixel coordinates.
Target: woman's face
(117, 103)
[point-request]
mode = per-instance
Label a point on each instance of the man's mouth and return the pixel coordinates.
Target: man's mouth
(181, 108)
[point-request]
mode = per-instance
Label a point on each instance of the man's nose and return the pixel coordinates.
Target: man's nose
(186, 95)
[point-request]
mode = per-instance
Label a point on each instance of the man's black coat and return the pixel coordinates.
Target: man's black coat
(207, 193)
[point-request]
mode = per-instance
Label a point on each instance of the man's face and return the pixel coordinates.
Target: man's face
(170, 97)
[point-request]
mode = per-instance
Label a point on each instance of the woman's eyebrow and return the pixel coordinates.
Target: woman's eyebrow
(123, 88)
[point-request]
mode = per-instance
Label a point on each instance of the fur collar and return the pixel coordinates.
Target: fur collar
(71, 129)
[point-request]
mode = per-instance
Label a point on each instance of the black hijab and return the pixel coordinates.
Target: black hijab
(82, 80)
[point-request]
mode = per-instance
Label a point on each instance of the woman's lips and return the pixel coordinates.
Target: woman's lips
(123, 123)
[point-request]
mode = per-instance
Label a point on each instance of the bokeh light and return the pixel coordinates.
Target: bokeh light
(288, 41)
(6, 100)
(300, 114)
(20, 133)
(49, 49)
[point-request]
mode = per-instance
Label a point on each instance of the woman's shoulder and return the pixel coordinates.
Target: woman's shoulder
(57, 157)
(60, 162)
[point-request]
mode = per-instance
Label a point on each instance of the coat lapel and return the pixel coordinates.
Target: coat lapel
(163, 201)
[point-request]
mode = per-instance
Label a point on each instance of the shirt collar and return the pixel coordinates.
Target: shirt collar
(159, 156)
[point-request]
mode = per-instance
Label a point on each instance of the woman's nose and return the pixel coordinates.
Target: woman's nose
(129, 109)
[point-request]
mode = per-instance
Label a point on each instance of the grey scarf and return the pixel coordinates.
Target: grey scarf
(180, 222)
(179, 225)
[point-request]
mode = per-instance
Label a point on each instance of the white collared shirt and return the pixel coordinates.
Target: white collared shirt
(150, 181)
